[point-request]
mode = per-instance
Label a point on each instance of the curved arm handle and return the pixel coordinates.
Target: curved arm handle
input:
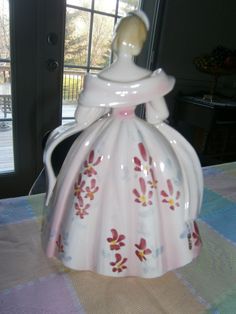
(84, 117)
(56, 137)
(156, 113)
(191, 170)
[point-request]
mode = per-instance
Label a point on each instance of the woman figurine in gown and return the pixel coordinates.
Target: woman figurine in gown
(129, 191)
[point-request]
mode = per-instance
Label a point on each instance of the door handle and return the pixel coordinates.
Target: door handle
(52, 65)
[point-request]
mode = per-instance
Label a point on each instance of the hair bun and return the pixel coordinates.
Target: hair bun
(142, 16)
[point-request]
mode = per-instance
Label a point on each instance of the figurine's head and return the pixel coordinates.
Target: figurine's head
(131, 34)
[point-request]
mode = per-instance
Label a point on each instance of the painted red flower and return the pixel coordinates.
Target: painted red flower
(116, 240)
(81, 210)
(118, 265)
(91, 190)
(90, 164)
(60, 246)
(142, 250)
(196, 235)
(170, 198)
(153, 182)
(146, 162)
(143, 197)
(79, 187)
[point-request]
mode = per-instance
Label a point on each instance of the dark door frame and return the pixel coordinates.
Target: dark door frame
(36, 91)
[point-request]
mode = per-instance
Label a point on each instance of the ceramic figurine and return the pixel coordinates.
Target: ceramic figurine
(129, 191)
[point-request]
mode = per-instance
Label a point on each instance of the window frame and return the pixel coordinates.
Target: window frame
(37, 95)
(148, 56)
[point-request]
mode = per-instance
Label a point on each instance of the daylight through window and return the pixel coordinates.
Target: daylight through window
(88, 36)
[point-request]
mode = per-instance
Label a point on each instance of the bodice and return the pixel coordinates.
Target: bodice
(124, 113)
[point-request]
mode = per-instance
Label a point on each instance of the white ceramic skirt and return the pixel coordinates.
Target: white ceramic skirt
(123, 204)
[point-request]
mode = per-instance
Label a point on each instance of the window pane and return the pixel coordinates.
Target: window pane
(6, 137)
(126, 6)
(108, 6)
(73, 80)
(80, 3)
(101, 40)
(4, 30)
(77, 44)
(76, 37)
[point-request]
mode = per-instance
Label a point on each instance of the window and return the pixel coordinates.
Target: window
(6, 134)
(88, 36)
(34, 79)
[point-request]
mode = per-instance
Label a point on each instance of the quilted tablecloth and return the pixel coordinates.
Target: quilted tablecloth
(32, 284)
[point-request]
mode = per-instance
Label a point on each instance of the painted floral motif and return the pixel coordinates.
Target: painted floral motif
(115, 241)
(81, 209)
(143, 197)
(146, 162)
(118, 265)
(90, 164)
(142, 250)
(81, 191)
(153, 182)
(170, 198)
(79, 187)
(196, 235)
(59, 244)
(91, 190)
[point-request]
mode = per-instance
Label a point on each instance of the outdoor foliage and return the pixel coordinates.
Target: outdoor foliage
(77, 32)
(78, 50)
(4, 30)
(77, 38)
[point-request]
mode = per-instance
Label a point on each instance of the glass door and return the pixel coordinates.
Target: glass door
(31, 59)
(46, 47)
(17, 96)
(6, 127)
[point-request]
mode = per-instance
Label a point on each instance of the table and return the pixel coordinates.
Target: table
(210, 126)
(32, 284)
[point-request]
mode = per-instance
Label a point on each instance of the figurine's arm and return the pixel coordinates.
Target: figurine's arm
(84, 117)
(157, 111)
(156, 108)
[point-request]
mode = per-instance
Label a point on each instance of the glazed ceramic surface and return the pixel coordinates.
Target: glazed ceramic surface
(129, 191)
